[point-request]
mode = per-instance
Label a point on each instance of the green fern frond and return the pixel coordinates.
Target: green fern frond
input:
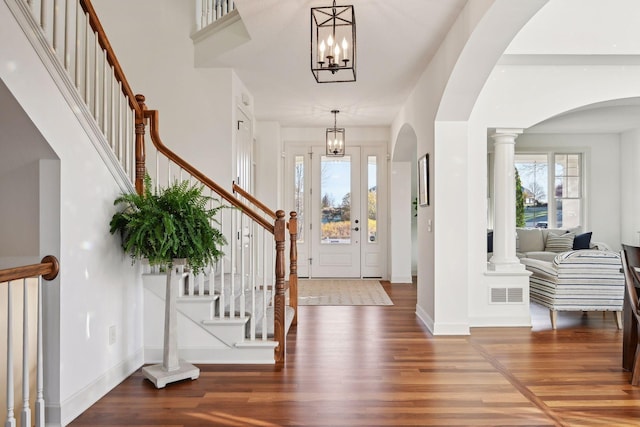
(165, 224)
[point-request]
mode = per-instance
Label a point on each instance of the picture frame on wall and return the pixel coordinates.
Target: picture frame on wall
(423, 180)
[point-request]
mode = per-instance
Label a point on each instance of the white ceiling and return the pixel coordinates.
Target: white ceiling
(395, 41)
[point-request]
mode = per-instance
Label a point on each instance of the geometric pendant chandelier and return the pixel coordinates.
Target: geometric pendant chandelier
(335, 139)
(333, 44)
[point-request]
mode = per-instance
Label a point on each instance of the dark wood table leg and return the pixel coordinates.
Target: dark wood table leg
(630, 335)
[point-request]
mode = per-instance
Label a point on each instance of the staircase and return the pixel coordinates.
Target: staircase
(212, 326)
(235, 310)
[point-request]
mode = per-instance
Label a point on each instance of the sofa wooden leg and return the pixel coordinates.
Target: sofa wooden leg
(553, 314)
(618, 315)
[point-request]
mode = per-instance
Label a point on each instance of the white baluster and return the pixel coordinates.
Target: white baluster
(157, 169)
(129, 136)
(87, 60)
(234, 250)
(105, 68)
(112, 102)
(168, 172)
(43, 16)
(11, 421)
(211, 13)
(265, 248)
(118, 120)
(252, 280)
(203, 14)
(221, 299)
(242, 270)
(54, 38)
(224, 7)
(96, 77)
(25, 420)
(77, 47)
(39, 364)
(67, 37)
(231, 5)
(191, 284)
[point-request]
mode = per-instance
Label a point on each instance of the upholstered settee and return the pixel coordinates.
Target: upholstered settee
(545, 243)
(582, 280)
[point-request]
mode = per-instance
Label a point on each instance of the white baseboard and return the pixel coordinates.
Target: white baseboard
(441, 328)
(424, 318)
(498, 322)
(246, 355)
(74, 406)
(401, 279)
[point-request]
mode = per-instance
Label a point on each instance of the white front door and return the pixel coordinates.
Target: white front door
(342, 213)
(336, 232)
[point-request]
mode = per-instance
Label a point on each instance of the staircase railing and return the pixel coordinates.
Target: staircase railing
(73, 31)
(292, 227)
(9, 279)
(212, 10)
(249, 280)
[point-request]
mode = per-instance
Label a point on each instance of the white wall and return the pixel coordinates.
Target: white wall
(269, 164)
(19, 231)
(420, 111)
(629, 179)
(97, 288)
(402, 216)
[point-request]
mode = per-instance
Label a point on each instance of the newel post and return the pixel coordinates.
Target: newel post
(279, 297)
(293, 264)
(140, 154)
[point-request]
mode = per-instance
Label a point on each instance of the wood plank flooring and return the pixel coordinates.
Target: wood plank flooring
(378, 366)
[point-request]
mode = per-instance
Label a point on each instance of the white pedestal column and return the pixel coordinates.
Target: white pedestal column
(171, 369)
(504, 233)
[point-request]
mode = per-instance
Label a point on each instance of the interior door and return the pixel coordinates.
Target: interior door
(245, 179)
(336, 227)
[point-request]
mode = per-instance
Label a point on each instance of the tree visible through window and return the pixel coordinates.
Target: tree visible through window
(533, 170)
(539, 182)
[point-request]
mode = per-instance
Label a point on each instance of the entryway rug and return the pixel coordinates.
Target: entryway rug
(341, 292)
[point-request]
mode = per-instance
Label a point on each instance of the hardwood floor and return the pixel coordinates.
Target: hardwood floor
(378, 366)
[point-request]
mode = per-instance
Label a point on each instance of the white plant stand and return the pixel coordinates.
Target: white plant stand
(171, 369)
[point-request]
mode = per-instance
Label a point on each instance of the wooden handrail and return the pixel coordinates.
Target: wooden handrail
(111, 56)
(152, 115)
(293, 264)
(264, 208)
(48, 269)
(279, 333)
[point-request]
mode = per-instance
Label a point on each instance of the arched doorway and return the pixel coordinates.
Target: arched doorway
(403, 262)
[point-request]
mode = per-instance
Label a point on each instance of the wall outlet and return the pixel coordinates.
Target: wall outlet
(112, 334)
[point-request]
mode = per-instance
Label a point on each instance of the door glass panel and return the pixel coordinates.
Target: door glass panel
(372, 199)
(335, 190)
(298, 185)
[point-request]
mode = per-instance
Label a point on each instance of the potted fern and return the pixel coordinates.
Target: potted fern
(169, 227)
(168, 224)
